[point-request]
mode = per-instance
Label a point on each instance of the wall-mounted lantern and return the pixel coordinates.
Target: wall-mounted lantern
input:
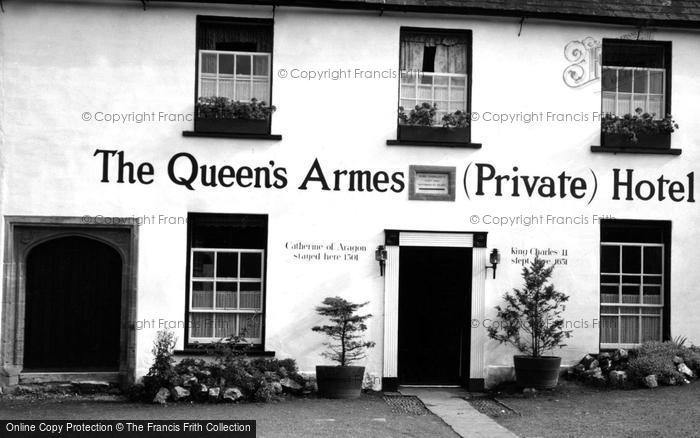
(380, 255)
(494, 259)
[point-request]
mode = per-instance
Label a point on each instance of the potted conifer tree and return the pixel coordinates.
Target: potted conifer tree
(531, 321)
(345, 347)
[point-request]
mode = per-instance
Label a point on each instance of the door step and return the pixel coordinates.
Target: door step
(30, 378)
(67, 383)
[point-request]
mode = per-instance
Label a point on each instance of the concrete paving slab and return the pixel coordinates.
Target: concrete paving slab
(450, 405)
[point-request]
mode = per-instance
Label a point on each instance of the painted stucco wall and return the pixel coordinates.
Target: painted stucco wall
(61, 59)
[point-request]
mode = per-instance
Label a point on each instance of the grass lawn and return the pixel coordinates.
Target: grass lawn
(573, 410)
(368, 417)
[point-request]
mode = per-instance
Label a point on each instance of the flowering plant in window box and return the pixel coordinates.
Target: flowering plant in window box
(640, 130)
(221, 114)
(418, 125)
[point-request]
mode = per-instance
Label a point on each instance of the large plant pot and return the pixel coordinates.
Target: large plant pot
(645, 141)
(433, 134)
(339, 382)
(536, 372)
(231, 126)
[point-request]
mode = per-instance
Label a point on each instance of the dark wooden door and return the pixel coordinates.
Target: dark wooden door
(73, 306)
(434, 311)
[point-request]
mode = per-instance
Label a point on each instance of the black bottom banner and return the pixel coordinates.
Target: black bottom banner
(128, 428)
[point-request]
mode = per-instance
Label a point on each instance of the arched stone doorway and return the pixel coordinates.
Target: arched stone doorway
(73, 304)
(69, 295)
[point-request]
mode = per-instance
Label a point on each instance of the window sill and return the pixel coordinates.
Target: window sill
(643, 151)
(204, 352)
(446, 144)
(274, 137)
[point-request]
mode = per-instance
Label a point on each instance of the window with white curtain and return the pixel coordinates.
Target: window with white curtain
(234, 58)
(239, 76)
(635, 75)
(226, 277)
(632, 287)
(226, 294)
(434, 69)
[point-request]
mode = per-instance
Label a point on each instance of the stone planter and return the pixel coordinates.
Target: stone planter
(536, 372)
(339, 382)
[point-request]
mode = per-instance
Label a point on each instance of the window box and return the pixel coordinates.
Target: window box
(230, 126)
(433, 134)
(660, 140)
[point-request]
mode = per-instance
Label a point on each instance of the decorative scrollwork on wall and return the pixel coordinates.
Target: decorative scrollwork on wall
(585, 59)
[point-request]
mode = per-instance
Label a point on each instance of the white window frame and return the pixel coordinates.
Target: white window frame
(639, 305)
(234, 77)
(417, 84)
(238, 280)
(634, 94)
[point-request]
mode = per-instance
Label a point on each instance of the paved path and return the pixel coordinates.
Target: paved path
(449, 404)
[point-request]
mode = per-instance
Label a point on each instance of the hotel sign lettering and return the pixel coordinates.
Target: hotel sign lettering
(431, 183)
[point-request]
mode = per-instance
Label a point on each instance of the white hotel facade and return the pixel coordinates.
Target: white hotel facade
(121, 216)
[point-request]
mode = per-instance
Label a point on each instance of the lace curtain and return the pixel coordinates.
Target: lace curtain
(450, 52)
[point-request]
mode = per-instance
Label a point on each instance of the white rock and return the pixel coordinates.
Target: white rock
(290, 385)
(214, 393)
(179, 393)
(276, 387)
(683, 369)
(650, 381)
(232, 394)
(162, 396)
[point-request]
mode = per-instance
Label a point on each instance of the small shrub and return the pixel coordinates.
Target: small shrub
(660, 365)
(264, 392)
(256, 378)
(162, 373)
(691, 357)
(657, 358)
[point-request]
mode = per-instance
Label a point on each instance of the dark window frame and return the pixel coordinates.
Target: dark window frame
(467, 34)
(665, 228)
(666, 46)
(192, 219)
(202, 20)
(658, 145)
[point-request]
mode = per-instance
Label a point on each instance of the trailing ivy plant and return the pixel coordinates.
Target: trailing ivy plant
(424, 115)
(225, 108)
(631, 125)
(531, 317)
(345, 331)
